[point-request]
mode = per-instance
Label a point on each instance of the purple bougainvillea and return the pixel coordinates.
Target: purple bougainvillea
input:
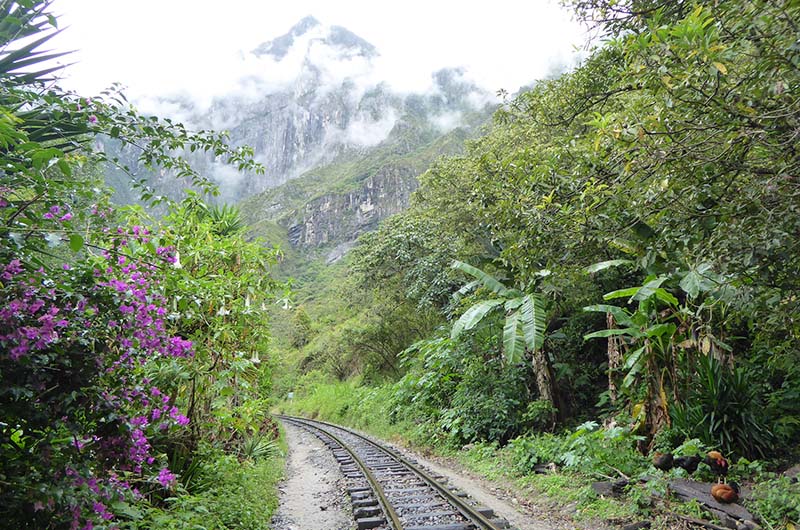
(73, 344)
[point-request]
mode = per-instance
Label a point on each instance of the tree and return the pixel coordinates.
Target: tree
(525, 324)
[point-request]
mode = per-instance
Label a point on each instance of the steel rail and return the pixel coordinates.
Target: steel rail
(391, 514)
(466, 510)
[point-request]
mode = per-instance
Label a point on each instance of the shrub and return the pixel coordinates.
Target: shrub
(236, 494)
(592, 450)
(776, 501)
(528, 451)
(724, 409)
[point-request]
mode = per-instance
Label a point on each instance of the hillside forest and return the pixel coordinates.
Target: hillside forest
(607, 272)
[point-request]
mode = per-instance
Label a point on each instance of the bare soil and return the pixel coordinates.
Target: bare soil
(312, 497)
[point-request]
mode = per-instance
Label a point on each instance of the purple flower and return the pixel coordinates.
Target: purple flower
(166, 478)
(101, 510)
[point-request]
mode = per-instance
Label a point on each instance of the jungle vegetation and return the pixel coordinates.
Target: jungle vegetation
(619, 248)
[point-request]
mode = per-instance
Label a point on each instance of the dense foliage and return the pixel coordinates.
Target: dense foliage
(117, 330)
(647, 202)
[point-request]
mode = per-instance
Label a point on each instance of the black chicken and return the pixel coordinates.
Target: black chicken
(663, 461)
(689, 463)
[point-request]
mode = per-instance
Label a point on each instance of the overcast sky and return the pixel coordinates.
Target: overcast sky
(163, 46)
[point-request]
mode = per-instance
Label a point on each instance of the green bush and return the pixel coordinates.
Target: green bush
(592, 450)
(233, 494)
(528, 451)
(776, 501)
(724, 409)
(456, 397)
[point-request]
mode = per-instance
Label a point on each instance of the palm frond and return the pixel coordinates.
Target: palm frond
(17, 58)
(513, 342)
(473, 315)
(487, 280)
(532, 316)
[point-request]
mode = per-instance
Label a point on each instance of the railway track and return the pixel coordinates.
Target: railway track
(389, 491)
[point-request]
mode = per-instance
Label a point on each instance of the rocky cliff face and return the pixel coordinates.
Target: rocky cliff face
(341, 217)
(342, 150)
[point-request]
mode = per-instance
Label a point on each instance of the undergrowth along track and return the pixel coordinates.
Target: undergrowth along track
(389, 491)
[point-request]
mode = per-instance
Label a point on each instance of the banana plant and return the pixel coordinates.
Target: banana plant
(525, 323)
(650, 332)
(638, 325)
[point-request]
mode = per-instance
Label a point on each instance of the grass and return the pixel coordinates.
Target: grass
(233, 494)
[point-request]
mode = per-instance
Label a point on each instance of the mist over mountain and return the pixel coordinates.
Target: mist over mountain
(305, 99)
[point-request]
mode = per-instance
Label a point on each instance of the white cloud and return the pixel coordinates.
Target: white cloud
(228, 178)
(447, 121)
(364, 132)
(158, 47)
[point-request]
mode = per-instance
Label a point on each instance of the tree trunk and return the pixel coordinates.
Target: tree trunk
(614, 359)
(657, 412)
(545, 379)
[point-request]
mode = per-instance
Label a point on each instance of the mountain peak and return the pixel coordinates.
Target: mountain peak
(280, 46)
(305, 24)
(346, 42)
(344, 38)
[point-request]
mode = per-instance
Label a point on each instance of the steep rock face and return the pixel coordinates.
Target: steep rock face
(335, 217)
(330, 206)
(309, 97)
(342, 150)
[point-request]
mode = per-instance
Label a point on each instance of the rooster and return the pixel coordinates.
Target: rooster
(718, 465)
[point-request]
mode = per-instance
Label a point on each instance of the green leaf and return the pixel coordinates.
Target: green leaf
(487, 280)
(128, 510)
(473, 315)
(649, 289)
(75, 242)
(533, 321)
(666, 297)
(65, 168)
(660, 329)
(513, 344)
(622, 293)
(695, 282)
(596, 267)
(603, 333)
(40, 158)
(621, 317)
(513, 304)
(466, 289)
(633, 364)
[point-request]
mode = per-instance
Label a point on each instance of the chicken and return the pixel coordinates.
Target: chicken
(663, 461)
(689, 463)
(718, 464)
(725, 493)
